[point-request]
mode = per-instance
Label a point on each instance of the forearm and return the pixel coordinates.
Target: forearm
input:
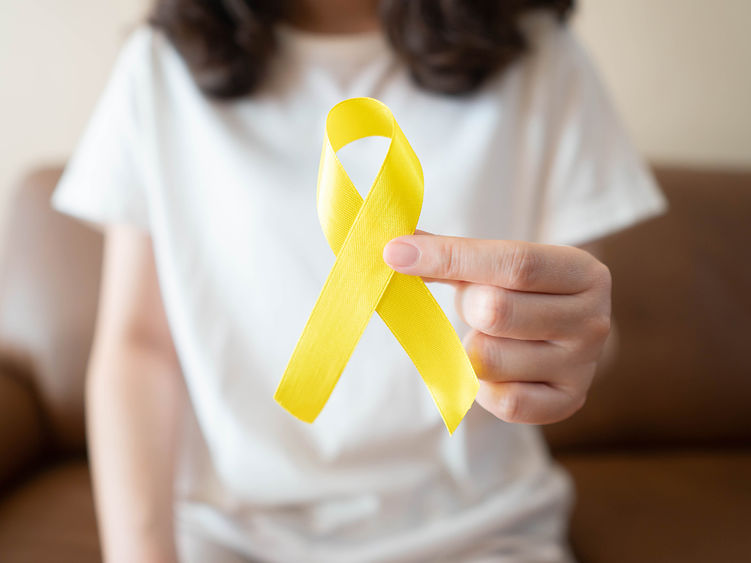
(134, 401)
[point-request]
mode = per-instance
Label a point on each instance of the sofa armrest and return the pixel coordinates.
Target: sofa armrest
(23, 437)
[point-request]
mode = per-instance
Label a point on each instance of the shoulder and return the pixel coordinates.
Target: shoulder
(140, 48)
(556, 60)
(146, 44)
(554, 83)
(551, 40)
(148, 59)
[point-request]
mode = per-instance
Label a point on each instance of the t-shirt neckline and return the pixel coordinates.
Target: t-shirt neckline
(311, 45)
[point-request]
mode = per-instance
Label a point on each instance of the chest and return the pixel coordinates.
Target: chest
(242, 248)
(237, 194)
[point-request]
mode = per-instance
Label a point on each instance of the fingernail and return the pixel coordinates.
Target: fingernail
(401, 254)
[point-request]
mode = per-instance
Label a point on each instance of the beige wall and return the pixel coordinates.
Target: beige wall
(54, 59)
(679, 71)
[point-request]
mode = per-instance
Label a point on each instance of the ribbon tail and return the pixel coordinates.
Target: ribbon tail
(419, 324)
(333, 330)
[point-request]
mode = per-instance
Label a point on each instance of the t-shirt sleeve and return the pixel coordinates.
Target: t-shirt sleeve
(104, 181)
(594, 181)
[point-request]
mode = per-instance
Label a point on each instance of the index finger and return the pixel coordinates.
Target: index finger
(517, 265)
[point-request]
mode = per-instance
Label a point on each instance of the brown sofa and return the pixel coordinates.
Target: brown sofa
(661, 453)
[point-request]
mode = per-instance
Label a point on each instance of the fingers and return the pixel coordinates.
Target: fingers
(517, 265)
(527, 381)
(528, 403)
(540, 315)
(506, 359)
(529, 316)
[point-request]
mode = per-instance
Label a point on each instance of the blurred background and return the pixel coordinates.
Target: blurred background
(661, 453)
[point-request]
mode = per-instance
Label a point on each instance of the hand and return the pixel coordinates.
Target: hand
(540, 315)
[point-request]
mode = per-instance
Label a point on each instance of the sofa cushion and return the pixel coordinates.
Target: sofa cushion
(22, 431)
(691, 507)
(49, 288)
(682, 306)
(50, 517)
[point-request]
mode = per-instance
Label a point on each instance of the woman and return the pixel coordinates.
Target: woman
(200, 160)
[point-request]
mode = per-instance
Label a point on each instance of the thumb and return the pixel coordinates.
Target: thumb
(426, 279)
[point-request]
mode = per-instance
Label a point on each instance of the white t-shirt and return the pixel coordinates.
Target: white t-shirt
(228, 192)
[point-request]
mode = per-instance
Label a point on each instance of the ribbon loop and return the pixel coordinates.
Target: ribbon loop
(360, 282)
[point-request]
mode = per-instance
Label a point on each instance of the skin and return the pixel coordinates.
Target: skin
(134, 398)
(540, 316)
(335, 16)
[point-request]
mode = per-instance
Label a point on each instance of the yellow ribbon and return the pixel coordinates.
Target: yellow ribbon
(360, 282)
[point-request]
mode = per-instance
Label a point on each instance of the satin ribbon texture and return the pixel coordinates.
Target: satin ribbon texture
(360, 282)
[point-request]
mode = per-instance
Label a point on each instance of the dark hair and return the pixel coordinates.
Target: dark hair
(449, 46)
